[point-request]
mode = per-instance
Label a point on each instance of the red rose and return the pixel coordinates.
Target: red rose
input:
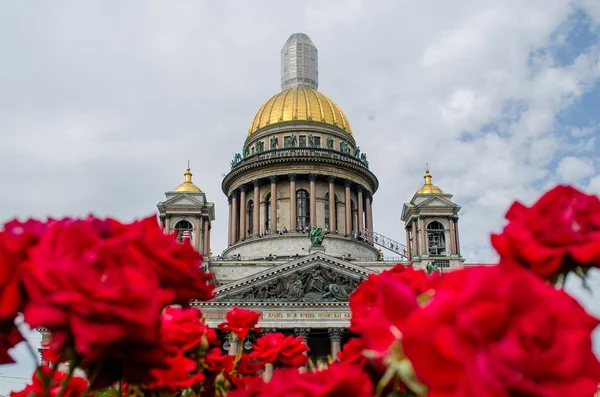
(352, 353)
(504, 333)
(240, 321)
(558, 233)
(339, 380)
(184, 329)
(280, 350)
(16, 240)
(9, 337)
(177, 266)
(364, 298)
(88, 283)
(180, 374)
(75, 387)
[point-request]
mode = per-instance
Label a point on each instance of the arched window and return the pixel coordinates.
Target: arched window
(302, 209)
(327, 213)
(183, 227)
(268, 214)
(436, 239)
(250, 218)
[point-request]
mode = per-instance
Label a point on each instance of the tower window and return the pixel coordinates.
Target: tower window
(436, 239)
(250, 218)
(302, 209)
(327, 213)
(182, 228)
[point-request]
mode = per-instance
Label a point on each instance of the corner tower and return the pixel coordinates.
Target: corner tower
(186, 212)
(299, 166)
(431, 222)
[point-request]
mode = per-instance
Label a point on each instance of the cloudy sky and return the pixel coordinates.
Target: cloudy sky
(103, 102)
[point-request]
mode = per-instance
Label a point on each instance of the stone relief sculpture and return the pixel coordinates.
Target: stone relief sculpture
(274, 143)
(316, 235)
(316, 284)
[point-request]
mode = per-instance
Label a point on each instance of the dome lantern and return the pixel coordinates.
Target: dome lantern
(428, 187)
(187, 185)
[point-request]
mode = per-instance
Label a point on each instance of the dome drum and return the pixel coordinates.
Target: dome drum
(297, 244)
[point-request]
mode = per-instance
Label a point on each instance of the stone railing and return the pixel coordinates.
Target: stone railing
(300, 152)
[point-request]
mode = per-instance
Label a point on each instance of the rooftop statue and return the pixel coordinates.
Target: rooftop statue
(274, 142)
(329, 142)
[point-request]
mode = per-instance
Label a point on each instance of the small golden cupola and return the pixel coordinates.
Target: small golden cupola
(187, 185)
(428, 187)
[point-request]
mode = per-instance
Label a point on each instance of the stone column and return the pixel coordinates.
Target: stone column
(422, 231)
(233, 344)
(335, 336)
(273, 224)
(207, 234)
(229, 224)
(332, 209)
(293, 214)
(452, 236)
(243, 213)
(368, 214)
(457, 239)
(199, 235)
(313, 199)
(360, 210)
(168, 224)
(234, 220)
(408, 249)
(415, 243)
(256, 214)
(348, 207)
(304, 333)
(370, 209)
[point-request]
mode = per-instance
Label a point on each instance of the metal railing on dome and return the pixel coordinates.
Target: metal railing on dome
(301, 152)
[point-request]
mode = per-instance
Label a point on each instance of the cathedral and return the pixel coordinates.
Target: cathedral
(301, 233)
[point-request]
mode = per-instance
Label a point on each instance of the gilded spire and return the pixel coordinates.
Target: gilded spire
(427, 176)
(187, 185)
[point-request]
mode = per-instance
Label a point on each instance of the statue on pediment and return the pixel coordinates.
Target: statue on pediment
(316, 235)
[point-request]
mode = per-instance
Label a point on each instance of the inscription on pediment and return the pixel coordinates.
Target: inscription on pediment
(314, 284)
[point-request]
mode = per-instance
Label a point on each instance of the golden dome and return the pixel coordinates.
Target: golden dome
(299, 103)
(428, 187)
(187, 185)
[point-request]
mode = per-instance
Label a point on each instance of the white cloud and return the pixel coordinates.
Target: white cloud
(574, 169)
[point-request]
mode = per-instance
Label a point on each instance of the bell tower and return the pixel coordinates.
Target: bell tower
(431, 222)
(187, 213)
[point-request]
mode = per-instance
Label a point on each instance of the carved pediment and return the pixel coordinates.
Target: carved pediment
(183, 201)
(316, 278)
(435, 201)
